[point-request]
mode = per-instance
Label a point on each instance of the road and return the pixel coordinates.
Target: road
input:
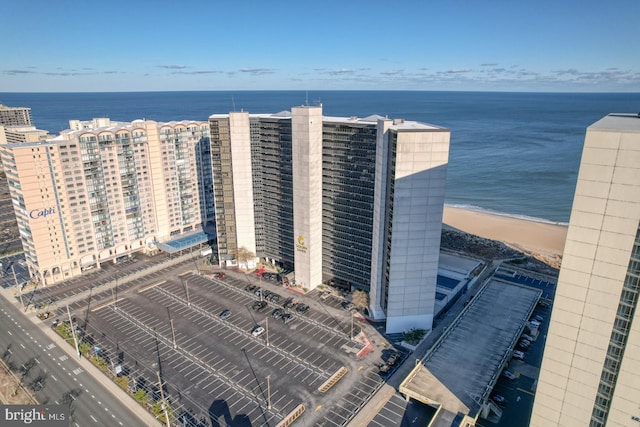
(61, 377)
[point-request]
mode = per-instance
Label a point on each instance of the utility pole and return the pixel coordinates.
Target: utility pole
(164, 403)
(266, 319)
(73, 332)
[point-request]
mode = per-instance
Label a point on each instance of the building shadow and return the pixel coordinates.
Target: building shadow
(220, 416)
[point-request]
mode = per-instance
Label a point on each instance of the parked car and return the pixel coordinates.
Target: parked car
(393, 359)
(527, 342)
(289, 303)
(527, 337)
(517, 354)
(538, 318)
(535, 323)
(250, 288)
(286, 318)
(347, 305)
(499, 400)
(508, 375)
(259, 305)
(225, 314)
(257, 331)
(302, 308)
(273, 297)
(276, 314)
(523, 346)
(219, 275)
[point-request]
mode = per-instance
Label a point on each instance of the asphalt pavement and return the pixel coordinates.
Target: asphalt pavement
(59, 376)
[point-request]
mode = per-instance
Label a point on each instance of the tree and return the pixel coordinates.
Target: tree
(360, 299)
(141, 396)
(122, 381)
(243, 255)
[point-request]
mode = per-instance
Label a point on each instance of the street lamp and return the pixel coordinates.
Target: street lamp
(186, 288)
(268, 393)
(173, 331)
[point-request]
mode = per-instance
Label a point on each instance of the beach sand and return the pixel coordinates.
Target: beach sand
(543, 240)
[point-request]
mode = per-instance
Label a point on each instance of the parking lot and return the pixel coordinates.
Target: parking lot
(519, 393)
(214, 370)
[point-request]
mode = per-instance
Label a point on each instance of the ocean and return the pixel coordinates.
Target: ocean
(511, 153)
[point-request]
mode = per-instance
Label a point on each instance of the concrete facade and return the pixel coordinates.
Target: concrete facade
(590, 373)
(366, 196)
(306, 132)
(421, 159)
(242, 183)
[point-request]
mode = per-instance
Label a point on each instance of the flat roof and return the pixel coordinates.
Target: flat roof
(184, 241)
(398, 124)
(463, 365)
(618, 122)
(457, 263)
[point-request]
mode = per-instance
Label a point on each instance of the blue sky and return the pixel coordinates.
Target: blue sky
(478, 45)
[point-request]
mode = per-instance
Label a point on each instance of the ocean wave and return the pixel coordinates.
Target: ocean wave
(505, 214)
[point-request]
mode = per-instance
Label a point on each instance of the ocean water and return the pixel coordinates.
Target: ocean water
(511, 153)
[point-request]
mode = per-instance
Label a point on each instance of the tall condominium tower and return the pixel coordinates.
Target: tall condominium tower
(355, 202)
(15, 116)
(102, 190)
(590, 373)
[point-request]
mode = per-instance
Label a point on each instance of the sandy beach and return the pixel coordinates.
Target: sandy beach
(533, 237)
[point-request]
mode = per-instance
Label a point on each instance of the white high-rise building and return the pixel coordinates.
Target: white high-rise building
(590, 374)
(355, 202)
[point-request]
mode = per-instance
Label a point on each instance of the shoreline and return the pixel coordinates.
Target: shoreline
(545, 239)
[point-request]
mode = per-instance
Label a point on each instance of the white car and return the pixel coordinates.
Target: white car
(508, 375)
(257, 331)
(517, 354)
(535, 323)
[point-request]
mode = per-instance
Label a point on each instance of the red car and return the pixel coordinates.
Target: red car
(218, 275)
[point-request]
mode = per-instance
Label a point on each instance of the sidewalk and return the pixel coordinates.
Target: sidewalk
(87, 366)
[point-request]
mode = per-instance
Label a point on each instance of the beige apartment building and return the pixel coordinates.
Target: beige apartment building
(103, 190)
(590, 374)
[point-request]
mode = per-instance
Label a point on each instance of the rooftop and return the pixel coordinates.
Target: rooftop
(629, 122)
(477, 344)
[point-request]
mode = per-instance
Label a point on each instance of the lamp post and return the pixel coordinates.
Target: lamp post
(268, 393)
(173, 331)
(186, 288)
